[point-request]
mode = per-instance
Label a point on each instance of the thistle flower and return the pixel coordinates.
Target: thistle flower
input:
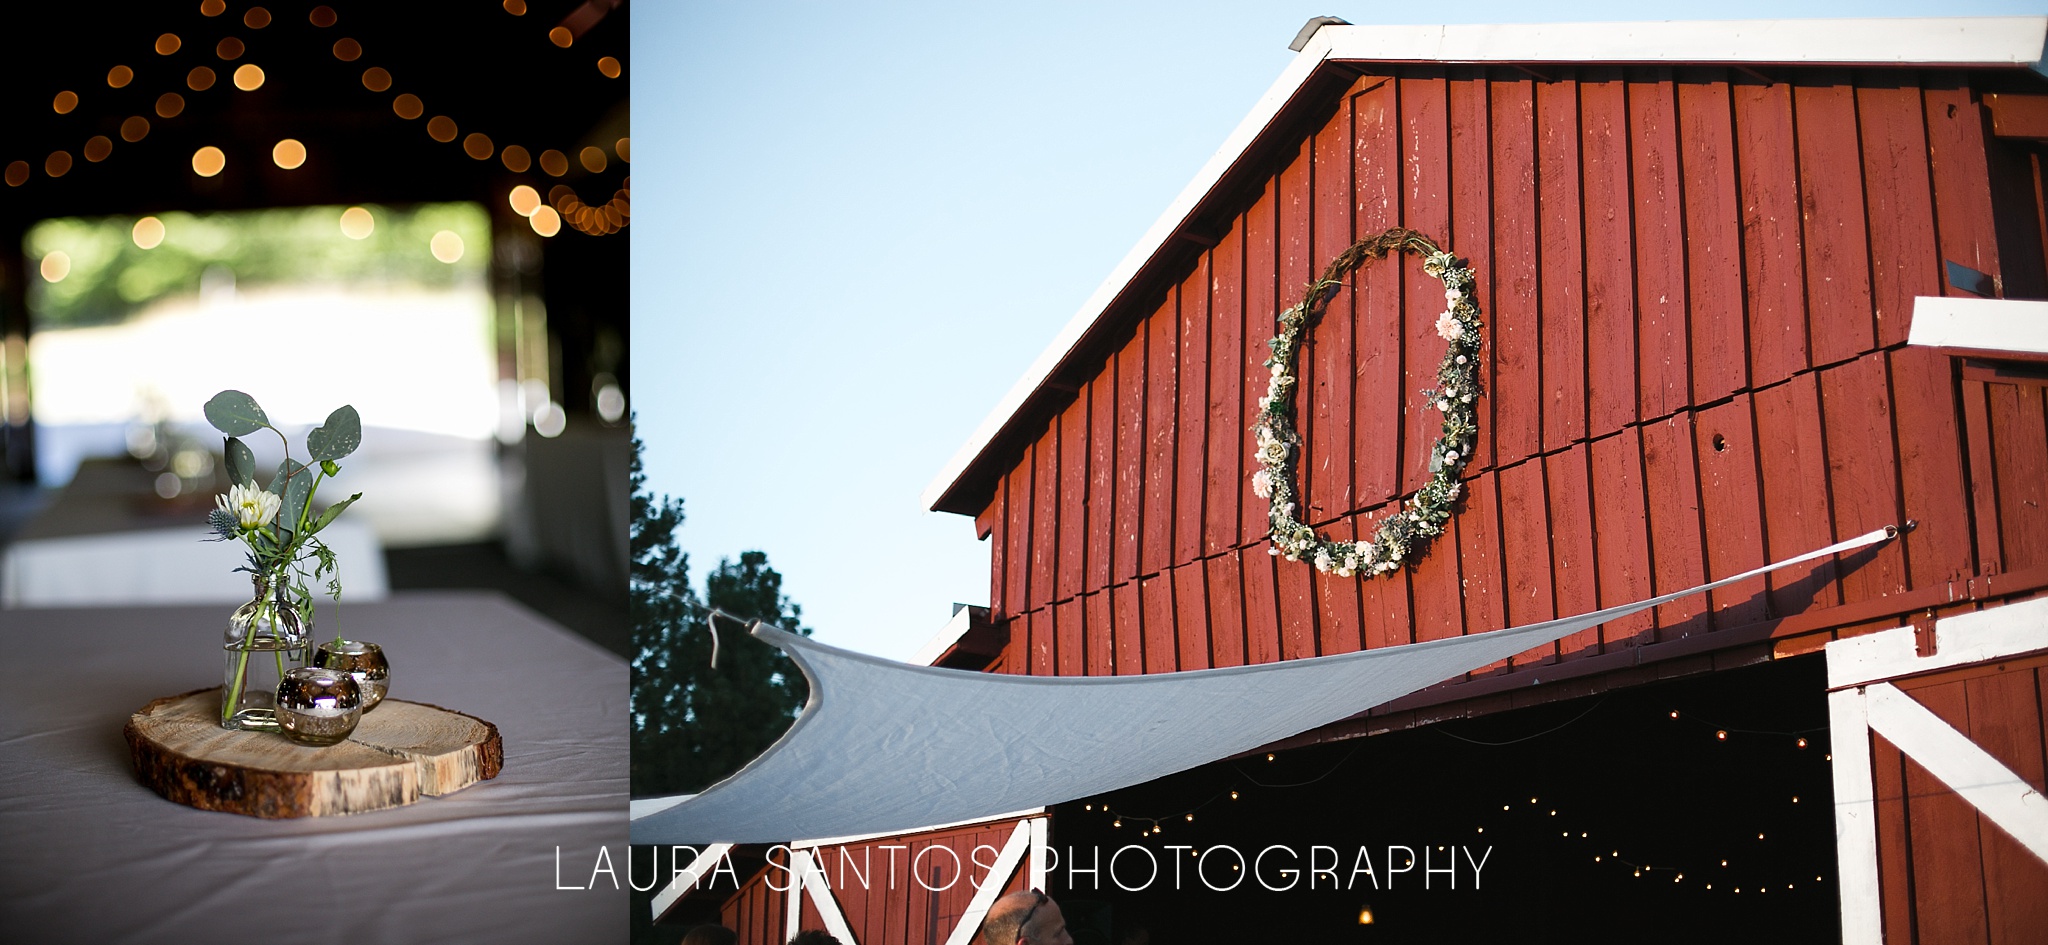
(222, 523)
(249, 505)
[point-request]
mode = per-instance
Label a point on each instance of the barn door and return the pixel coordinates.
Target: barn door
(1939, 771)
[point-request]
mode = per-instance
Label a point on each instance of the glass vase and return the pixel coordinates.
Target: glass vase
(265, 640)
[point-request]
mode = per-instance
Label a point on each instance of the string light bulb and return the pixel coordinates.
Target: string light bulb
(1233, 795)
(208, 161)
(148, 233)
(1721, 734)
(545, 221)
(357, 223)
(1802, 743)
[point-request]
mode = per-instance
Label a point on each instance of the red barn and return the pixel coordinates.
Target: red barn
(1746, 291)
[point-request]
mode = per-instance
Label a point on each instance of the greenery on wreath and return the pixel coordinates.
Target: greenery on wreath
(276, 523)
(1401, 536)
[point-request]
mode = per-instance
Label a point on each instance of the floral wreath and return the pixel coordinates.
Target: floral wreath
(1400, 535)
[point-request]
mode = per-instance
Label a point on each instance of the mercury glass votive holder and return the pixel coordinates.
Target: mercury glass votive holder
(364, 661)
(318, 706)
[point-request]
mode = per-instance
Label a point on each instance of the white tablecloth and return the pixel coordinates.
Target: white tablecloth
(87, 854)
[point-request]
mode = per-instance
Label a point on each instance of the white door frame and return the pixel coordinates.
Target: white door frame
(1862, 701)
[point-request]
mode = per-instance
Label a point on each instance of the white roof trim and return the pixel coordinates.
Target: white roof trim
(1983, 324)
(2011, 41)
(947, 636)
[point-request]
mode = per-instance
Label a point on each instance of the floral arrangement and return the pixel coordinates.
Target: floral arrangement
(1399, 536)
(276, 523)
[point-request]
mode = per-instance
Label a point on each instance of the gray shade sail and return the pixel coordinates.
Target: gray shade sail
(886, 747)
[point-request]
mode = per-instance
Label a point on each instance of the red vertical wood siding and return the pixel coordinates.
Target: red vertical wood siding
(1696, 285)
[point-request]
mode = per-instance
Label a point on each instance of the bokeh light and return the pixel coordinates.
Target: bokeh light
(356, 223)
(524, 200)
(134, 129)
(593, 159)
(545, 221)
(56, 266)
(609, 66)
(208, 161)
(199, 79)
(624, 149)
(554, 162)
(148, 233)
(322, 16)
(169, 105)
(376, 79)
(97, 148)
(168, 44)
(515, 7)
(212, 7)
(516, 159)
(249, 78)
(64, 102)
(288, 154)
(441, 128)
(229, 48)
(17, 173)
(347, 50)
(119, 77)
(478, 145)
(57, 164)
(446, 247)
(257, 18)
(561, 36)
(407, 106)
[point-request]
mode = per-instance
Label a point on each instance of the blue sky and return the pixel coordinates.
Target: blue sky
(856, 225)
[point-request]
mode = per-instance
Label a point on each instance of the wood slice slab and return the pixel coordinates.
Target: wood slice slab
(398, 752)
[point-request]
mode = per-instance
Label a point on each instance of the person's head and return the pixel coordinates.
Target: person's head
(710, 935)
(813, 937)
(1029, 916)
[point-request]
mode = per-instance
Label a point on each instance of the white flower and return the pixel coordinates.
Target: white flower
(1450, 456)
(1274, 551)
(1323, 561)
(1465, 399)
(1448, 329)
(249, 505)
(1266, 401)
(1450, 294)
(1262, 484)
(1444, 405)
(1461, 358)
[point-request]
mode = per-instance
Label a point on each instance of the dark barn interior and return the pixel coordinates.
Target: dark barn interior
(1604, 816)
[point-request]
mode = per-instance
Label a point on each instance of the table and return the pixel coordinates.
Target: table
(108, 539)
(87, 854)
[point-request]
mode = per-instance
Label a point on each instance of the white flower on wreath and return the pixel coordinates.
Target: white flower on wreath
(1447, 327)
(1262, 484)
(1323, 561)
(249, 505)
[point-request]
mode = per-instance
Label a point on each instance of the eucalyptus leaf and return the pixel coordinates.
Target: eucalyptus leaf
(298, 490)
(241, 462)
(338, 437)
(284, 469)
(235, 413)
(328, 516)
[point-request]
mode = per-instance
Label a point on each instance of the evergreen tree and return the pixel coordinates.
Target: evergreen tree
(692, 724)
